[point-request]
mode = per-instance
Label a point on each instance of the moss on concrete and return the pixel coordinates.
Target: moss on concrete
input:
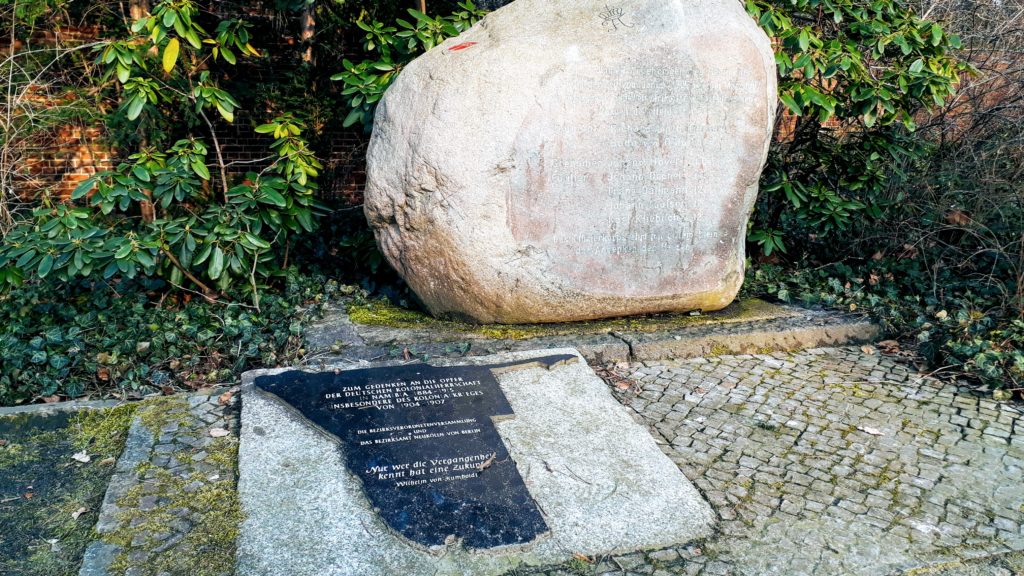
(384, 313)
(51, 500)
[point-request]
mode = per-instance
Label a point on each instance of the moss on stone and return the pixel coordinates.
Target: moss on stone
(719, 349)
(214, 509)
(13, 455)
(384, 313)
(102, 431)
(155, 413)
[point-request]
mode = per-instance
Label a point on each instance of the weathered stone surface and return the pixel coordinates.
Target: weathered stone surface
(569, 160)
(600, 479)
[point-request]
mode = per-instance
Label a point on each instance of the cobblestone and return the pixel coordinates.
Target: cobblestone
(876, 430)
(164, 511)
(833, 461)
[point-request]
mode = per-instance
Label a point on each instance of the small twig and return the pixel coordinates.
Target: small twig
(487, 463)
(174, 260)
(220, 155)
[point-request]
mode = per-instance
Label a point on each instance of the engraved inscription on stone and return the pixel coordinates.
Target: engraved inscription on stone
(652, 153)
(613, 18)
(423, 442)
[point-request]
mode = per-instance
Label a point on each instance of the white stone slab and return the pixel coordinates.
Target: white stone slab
(602, 483)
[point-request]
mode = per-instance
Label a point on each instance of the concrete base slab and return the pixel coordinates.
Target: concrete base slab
(746, 327)
(602, 483)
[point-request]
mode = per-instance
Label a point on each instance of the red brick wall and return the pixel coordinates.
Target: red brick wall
(57, 162)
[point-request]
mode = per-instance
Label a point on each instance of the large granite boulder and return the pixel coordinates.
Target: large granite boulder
(576, 159)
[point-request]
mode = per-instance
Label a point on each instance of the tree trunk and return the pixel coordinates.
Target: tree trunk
(307, 30)
(423, 6)
(138, 8)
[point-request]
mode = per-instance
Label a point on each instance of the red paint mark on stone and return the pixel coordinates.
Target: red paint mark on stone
(462, 46)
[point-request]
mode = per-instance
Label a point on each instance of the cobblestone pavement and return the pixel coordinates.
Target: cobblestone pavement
(833, 461)
(172, 508)
(825, 462)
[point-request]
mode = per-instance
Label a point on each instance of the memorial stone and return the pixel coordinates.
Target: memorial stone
(576, 159)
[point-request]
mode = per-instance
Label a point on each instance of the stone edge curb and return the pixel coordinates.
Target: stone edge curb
(751, 342)
(99, 555)
(58, 407)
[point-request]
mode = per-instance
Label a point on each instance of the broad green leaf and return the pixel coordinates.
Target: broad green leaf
(123, 251)
(805, 39)
(193, 39)
(179, 27)
(216, 267)
(145, 258)
(354, 116)
(200, 169)
(83, 189)
(274, 197)
(45, 266)
(135, 107)
(171, 54)
(141, 173)
(791, 104)
(225, 112)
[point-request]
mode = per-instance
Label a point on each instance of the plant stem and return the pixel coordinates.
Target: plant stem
(207, 293)
(220, 156)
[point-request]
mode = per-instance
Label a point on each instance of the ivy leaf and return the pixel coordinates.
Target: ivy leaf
(171, 54)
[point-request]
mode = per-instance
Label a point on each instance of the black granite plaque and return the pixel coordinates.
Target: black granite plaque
(422, 440)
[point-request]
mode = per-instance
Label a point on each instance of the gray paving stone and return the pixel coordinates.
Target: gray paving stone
(941, 478)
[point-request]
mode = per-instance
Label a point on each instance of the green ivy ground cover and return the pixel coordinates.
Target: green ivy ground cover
(130, 339)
